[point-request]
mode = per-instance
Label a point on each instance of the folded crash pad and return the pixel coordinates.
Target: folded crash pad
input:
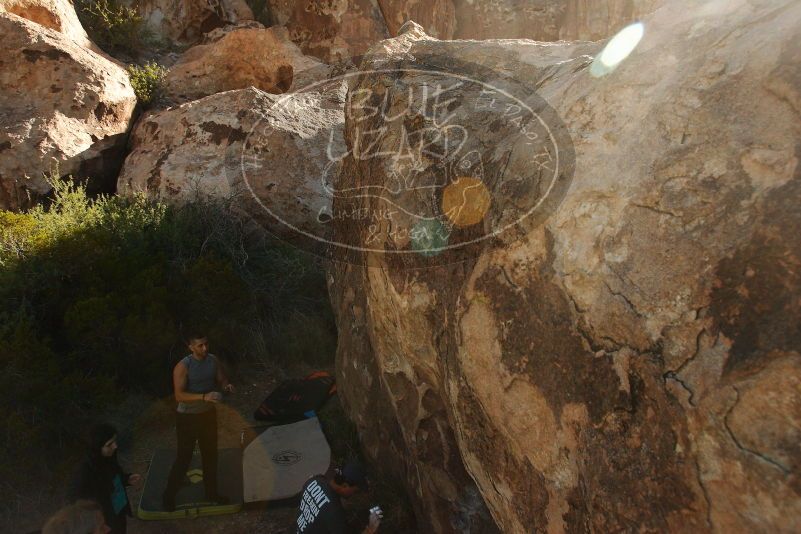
(297, 399)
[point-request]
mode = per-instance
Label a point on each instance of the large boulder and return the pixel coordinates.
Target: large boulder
(63, 105)
(268, 153)
(626, 356)
(237, 57)
(58, 15)
(185, 21)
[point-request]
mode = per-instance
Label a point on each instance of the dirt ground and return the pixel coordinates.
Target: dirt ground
(150, 425)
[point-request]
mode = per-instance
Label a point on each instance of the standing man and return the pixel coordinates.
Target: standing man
(195, 379)
(321, 510)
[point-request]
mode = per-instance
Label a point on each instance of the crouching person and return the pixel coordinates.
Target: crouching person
(321, 510)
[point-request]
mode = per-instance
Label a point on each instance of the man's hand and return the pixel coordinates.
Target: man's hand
(229, 388)
(134, 479)
(213, 396)
(375, 520)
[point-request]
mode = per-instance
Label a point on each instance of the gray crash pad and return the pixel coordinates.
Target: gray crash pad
(278, 461)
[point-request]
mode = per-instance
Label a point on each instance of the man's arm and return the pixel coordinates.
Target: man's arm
(222, 379)
(179, 385)
(336, 522)
(372, 524)
(333, 517)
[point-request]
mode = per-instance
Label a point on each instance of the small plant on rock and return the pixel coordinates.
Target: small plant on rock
(147, 81)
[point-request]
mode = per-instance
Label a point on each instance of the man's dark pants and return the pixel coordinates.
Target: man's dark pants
(191, 427)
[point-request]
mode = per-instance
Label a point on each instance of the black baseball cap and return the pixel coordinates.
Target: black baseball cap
(354, 474)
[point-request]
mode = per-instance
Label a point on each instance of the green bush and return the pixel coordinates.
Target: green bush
(113, 26)
(261, 11)
(95, 294)
(301, 336)
(147, 81)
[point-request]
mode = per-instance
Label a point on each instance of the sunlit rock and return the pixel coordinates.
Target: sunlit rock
(65, 107)
(629, 361)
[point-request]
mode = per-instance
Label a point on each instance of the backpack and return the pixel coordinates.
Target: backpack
(297, 399)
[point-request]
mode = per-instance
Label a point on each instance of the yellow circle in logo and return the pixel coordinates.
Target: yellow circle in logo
(465, 201)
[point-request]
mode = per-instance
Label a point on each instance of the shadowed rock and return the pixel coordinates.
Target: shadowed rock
(631, 360)
(185, 21)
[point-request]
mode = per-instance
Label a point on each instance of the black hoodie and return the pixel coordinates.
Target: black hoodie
(97, 477)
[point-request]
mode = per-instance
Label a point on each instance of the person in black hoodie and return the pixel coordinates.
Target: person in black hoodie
(101, 479)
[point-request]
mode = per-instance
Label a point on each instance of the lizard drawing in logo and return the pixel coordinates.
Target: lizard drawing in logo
(426, 160)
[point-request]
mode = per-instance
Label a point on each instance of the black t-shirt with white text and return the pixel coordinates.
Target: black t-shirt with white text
(320, 510)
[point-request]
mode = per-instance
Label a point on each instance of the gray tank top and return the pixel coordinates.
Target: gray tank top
(200, 378)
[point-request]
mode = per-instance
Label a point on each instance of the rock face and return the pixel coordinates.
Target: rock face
(592, 21)
(237, 57)
(62, 104)
(631, 360)
(185, 21)
(547, 20)
(58, 15)
(337, 30)
(437, 17)
(268, 151)
(331, 30)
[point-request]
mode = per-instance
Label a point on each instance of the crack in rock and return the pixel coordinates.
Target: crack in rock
(740, 446)
(671, 375)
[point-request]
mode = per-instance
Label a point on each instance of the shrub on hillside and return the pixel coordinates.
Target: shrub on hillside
(147, 81)
(113, 26)
(95, 295)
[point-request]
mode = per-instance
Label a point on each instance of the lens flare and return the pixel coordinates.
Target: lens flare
(465, 201)
(617, 49)
(429, 237)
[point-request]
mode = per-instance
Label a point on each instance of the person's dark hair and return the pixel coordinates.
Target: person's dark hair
(193, 334)
(352, 474)
(80, 517)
